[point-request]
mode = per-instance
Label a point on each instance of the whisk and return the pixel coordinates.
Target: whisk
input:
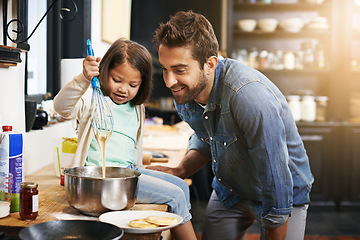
(101, 117)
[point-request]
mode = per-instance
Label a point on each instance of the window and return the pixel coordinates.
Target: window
(36, 59)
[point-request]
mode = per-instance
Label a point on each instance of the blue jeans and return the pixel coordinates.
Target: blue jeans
(162, 188)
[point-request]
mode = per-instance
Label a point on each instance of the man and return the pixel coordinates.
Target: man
(244, 127)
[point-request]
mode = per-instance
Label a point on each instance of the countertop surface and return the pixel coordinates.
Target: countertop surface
(53, 205)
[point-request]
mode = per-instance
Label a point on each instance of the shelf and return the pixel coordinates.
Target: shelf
(340, 44)
(281, 34)
(304, 71)
(9, 56)
(302, 6)
(319, 124)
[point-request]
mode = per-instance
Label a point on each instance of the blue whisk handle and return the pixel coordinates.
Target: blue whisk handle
(95, 82)
(89, 49)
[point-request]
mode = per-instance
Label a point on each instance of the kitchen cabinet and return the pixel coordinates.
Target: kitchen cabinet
(334, 157)
(318, 140)
(350, 180)
(328, 81)
(331, 145)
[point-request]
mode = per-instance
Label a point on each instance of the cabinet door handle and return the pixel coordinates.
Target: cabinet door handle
(313, 138)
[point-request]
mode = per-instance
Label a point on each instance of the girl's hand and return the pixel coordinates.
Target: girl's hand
(91, 67)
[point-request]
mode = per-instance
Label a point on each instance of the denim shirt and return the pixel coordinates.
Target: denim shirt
(248, 132)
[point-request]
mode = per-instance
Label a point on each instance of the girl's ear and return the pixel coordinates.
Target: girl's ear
(210, 65)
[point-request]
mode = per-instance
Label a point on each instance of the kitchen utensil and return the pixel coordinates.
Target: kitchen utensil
(247, 25)
(30, 114)
(101, 117)
(318, 23)
(156, 154)
(6, 181)
(149, 158)
(90, 194)
(72, 229)
(315, 1)
(291, 24)
(122, 219)
(268, 24)
(41, 119)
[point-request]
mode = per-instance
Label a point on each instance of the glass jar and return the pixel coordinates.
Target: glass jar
(29, 200)
(262, 59)
(289, 60)
(278, 61)
(295, 106)
(299, 60)
(308, 108)
(253, 58)
(321, 105)
(242, 56)
(320, 60)
(309, 57)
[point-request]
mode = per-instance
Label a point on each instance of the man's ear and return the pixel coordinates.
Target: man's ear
(210, 65)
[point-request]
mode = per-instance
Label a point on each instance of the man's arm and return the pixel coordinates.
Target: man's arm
(278, 233)
(191, 163)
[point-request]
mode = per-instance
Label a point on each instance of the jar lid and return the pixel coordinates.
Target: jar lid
(308, 97)
(28, 185)
(7, 128)
(321, 98)
(293, 97)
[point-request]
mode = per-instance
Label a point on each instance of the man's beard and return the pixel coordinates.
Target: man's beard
(191, 94)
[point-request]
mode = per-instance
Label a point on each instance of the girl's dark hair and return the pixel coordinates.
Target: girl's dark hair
(137, 56)
(189, 29)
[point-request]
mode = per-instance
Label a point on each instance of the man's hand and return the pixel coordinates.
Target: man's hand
(163, 169)
(192, 162)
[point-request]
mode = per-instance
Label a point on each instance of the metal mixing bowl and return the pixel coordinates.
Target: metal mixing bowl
(90, 194)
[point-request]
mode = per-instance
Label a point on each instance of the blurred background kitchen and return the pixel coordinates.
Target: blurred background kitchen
(309, 48)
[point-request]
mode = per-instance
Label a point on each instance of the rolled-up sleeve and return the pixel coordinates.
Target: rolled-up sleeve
(274, 221)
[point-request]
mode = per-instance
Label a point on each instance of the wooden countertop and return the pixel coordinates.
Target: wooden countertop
(53, 204)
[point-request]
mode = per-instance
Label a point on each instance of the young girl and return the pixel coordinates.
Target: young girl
(125, 74)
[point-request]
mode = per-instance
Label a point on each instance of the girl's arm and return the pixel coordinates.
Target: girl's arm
(67, 102)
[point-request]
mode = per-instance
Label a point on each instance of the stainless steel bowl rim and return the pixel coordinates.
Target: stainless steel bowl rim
(66, 172)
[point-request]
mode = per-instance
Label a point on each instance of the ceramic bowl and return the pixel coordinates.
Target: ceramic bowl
(291, 24)
(268, 24)
(247, 25)
(315, 1)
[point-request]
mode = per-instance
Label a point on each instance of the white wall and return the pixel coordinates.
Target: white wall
(99, 46)
(12, 109)
(38, 152)
(12, 99)
(39, 149)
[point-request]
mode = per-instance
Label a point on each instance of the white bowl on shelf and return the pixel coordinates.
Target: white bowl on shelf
(247, 25)
(291, 24)
(268, 24)
(318, 23)
(315, 1)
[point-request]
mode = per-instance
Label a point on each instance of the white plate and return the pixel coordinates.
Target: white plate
(122, 219)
